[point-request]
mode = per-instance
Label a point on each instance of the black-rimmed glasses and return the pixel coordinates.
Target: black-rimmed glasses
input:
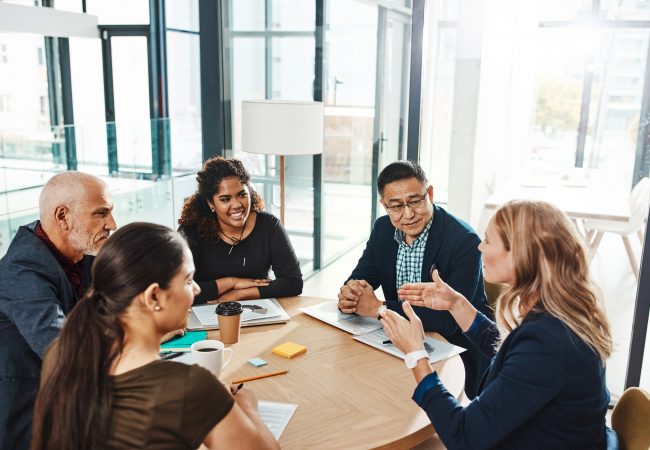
(415, 203)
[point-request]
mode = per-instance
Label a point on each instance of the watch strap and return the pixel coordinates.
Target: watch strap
(411, 359)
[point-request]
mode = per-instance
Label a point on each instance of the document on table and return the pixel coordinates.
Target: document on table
(266, 311)
(437, 350)
(329, 313)
(276, 416)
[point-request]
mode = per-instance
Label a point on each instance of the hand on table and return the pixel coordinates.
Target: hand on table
(245, 399)
(243, 283)
(437, 295)
(173, 334)
(406, 335)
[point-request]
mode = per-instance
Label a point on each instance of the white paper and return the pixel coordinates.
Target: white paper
(207, 316)
(329, 313)
(276, 416)
(437, 350)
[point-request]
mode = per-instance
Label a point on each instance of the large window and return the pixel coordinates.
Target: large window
(545, 102)
(273, 57)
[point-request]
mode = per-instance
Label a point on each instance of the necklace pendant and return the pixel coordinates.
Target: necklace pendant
(230, 251)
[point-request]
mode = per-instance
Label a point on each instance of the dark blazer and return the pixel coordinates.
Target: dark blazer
(35, 296)
(452, 246)
(545, 389)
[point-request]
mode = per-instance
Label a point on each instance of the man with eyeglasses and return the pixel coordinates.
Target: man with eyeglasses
(406, 246)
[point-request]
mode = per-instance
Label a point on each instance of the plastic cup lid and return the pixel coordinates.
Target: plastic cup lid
(229, 309)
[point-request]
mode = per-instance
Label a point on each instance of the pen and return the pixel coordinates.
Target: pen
(241, 385)
(171, 355)
(388, 342)
(257, 377)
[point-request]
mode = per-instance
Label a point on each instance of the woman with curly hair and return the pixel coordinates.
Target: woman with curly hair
(545, 387)
(233, 241)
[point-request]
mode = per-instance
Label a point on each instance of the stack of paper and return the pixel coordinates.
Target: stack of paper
(203, 317)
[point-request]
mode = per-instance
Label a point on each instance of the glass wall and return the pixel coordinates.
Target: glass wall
(272, 46)
(545, 103)
(270, 53)
(184, 78)
(365, 65)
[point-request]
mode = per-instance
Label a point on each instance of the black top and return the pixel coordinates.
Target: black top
(266, 247)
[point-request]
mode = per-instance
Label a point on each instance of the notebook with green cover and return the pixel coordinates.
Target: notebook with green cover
(183, 343)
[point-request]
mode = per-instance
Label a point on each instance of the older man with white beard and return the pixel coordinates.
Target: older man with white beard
(44, 273)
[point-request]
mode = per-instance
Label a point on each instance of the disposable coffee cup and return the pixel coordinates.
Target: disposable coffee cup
(229, 317)
(211, 354)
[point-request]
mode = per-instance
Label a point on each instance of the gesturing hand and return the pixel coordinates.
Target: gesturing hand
(437, 295)
(406, 335)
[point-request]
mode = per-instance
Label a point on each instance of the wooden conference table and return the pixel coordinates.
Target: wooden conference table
(349, 395)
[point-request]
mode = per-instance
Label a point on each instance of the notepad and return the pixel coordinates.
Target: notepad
(183, 343)
(289, 350)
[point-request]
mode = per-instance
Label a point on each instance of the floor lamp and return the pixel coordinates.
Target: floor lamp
(276, 127)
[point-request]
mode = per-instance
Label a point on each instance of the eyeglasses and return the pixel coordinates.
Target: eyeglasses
(414, 203)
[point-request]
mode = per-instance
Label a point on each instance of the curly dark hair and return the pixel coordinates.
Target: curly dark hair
(196, 210)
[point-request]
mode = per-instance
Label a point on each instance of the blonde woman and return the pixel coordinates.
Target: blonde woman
(545, 387)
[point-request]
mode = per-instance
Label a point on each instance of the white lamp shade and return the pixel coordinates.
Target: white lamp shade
(274, 127)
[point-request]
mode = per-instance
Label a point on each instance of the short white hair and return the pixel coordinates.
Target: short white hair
(65, 188)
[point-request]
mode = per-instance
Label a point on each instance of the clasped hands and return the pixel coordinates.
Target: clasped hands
(358, 296)
(408, 335)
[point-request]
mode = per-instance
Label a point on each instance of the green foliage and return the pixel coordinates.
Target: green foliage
(558, 104)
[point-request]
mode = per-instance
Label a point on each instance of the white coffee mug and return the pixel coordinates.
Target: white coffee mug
(210, 354)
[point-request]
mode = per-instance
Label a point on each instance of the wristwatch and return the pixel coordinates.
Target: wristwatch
(411, 359)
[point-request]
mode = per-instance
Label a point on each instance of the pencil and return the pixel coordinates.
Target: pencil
(257, 377)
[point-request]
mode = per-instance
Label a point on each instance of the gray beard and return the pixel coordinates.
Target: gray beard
(81, 240)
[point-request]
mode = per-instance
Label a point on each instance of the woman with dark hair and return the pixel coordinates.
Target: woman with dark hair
(103, 384)
(233, 241)
(545, 387)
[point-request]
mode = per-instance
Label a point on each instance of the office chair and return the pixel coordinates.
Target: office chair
(639, 200)
(630, 419)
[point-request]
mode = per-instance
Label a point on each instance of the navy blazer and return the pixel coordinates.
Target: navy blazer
(35, 297)
(452, 246)
(545, 389)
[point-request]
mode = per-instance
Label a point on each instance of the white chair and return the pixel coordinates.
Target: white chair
(639, 202)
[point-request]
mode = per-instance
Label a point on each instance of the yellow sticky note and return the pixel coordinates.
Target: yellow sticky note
(289, 350)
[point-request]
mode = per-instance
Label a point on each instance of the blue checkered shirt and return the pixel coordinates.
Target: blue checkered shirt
(409, 258)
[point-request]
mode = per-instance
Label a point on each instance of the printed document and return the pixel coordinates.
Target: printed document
(437, 350)
(329, 313)
(267, 309)
(276, 416)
